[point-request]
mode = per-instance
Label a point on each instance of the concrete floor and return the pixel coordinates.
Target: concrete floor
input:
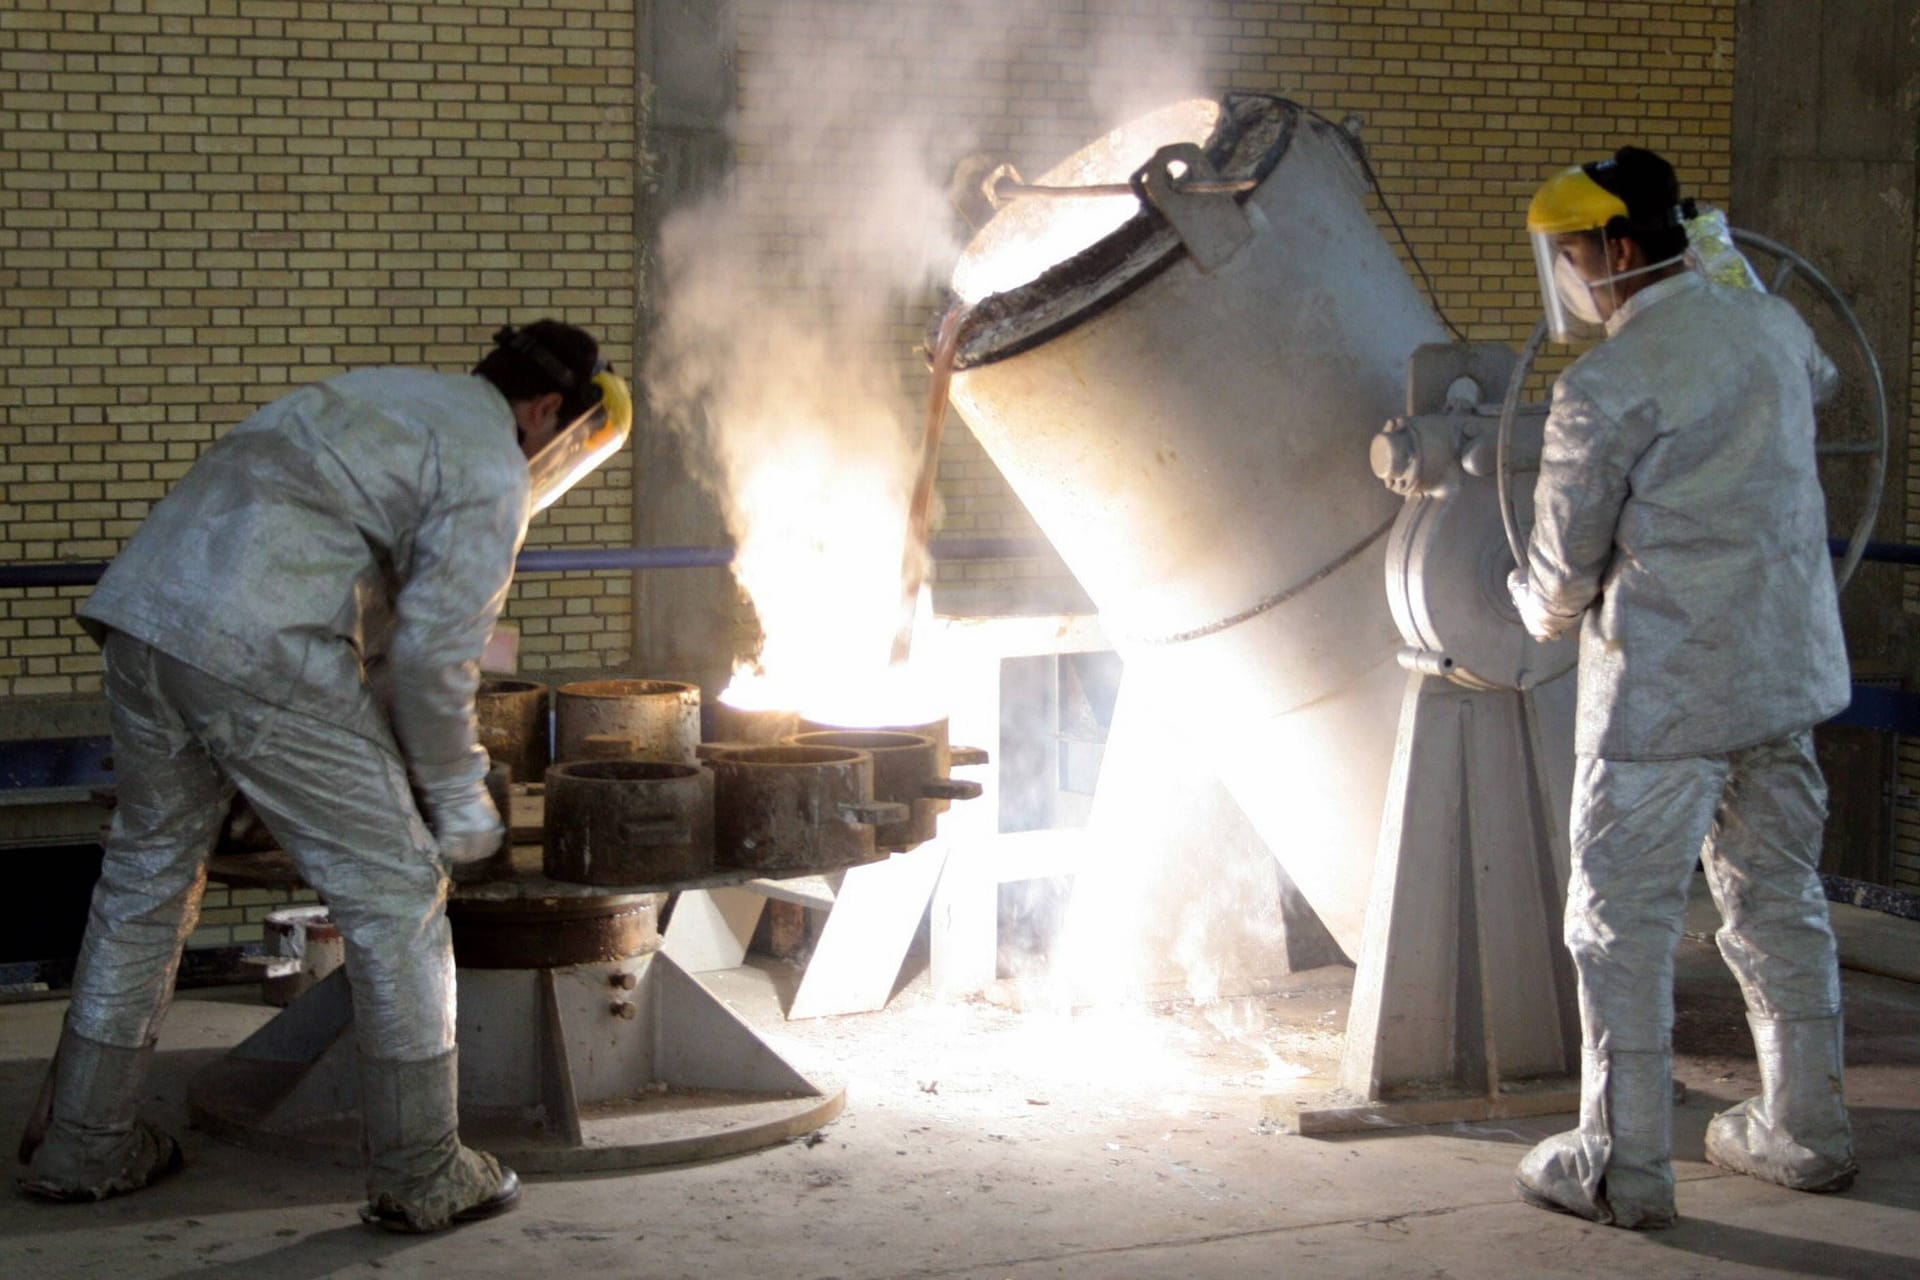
(983, 1143)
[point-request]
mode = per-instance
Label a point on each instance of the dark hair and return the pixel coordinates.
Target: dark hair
(1646, 184)
(542, 357)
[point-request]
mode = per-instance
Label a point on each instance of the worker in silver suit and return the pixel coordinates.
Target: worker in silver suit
(301, 619)
(1680, 526)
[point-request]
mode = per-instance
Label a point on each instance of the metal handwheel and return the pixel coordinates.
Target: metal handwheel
(1787, 266)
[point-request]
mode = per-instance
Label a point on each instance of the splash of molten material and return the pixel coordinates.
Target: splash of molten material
(819, 556)
(819, 530)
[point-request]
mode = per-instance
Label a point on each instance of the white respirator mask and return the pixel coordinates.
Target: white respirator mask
(1572, 303)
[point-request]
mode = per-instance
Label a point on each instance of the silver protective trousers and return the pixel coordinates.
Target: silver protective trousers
(1754, 817)
(337, 802)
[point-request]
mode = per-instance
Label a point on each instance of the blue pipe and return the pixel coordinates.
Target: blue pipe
(586, 560)
(83, 573)
(1882, 552)
(68, 573)
(612, 558)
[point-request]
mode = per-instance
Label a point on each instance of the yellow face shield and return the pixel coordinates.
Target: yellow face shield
(588, 441)
(1567, 203)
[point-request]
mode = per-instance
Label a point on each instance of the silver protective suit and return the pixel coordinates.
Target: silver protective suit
(1679, 509)
(355, 535)
(1680, 519)
(371, 519)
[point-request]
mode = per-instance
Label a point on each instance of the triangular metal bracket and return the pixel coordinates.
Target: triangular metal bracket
(1464, 1002)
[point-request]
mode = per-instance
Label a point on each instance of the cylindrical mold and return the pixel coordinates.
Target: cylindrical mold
(945, 755)
(906, 770)
(659, 718)
(1195, 444)
(742, 726)
(513, 725)
(934, 729)
(628, 822)
(556, 932)
(786, 808)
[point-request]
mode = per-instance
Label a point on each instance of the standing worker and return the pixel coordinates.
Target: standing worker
(1680, 524)
(302, 619)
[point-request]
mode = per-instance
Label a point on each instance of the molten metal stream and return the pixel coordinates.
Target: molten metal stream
(913, 556)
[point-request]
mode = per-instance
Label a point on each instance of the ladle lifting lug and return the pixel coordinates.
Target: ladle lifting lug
(1211, 224)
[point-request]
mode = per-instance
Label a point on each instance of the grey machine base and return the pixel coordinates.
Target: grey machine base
(625, 1064)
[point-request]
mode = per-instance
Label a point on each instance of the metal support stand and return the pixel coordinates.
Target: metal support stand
(872, 911)
(1464, 1003)
(619, 1064)
(1464, 1000)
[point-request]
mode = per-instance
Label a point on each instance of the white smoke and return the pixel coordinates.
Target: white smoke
(795, 299)
(794, 304)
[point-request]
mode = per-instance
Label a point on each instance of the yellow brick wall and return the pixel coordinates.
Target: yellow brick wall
(233, 917)
(204, 203)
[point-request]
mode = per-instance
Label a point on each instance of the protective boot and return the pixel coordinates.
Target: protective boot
(419, 1177)
(1617, 1167)
(1796, 1133)
(91, 1145)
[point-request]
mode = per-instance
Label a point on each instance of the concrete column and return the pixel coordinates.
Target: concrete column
(685, 621)
(1826, 137)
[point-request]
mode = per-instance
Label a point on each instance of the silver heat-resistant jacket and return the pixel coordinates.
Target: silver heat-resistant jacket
(1678, 500)
(371, 519)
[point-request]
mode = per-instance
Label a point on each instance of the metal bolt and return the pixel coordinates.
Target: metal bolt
(624, 1009)
(1395, 456)
(624, 981)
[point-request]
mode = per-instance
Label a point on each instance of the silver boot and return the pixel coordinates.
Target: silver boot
(89, 1145)
(419, 1176)
(1796, 1133)
(1617, 1167)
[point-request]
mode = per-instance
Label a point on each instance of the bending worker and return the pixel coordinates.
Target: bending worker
(352, 538)
(1680, 524)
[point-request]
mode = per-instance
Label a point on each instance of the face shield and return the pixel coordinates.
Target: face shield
(1572, 313)
(1572, 302)
(1569, 203)
(584, 444)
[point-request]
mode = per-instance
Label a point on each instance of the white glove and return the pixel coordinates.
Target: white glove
(1542, 623)
(466, 826)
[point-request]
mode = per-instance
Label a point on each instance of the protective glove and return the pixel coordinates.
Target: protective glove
(466, 826)
(1542, 623)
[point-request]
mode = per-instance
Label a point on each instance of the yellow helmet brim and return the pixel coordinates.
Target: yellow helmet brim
(588, 441)
(1572, 201)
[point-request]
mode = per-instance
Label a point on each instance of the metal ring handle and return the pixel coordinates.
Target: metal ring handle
(1788, 264)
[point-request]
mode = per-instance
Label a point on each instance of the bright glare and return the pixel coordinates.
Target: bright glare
(820, 559)
(1031, 233)
(834, 692)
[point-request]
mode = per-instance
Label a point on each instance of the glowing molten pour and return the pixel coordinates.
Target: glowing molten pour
(1032, 233)
(819, 555)
(819, 527)
(857, 688)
